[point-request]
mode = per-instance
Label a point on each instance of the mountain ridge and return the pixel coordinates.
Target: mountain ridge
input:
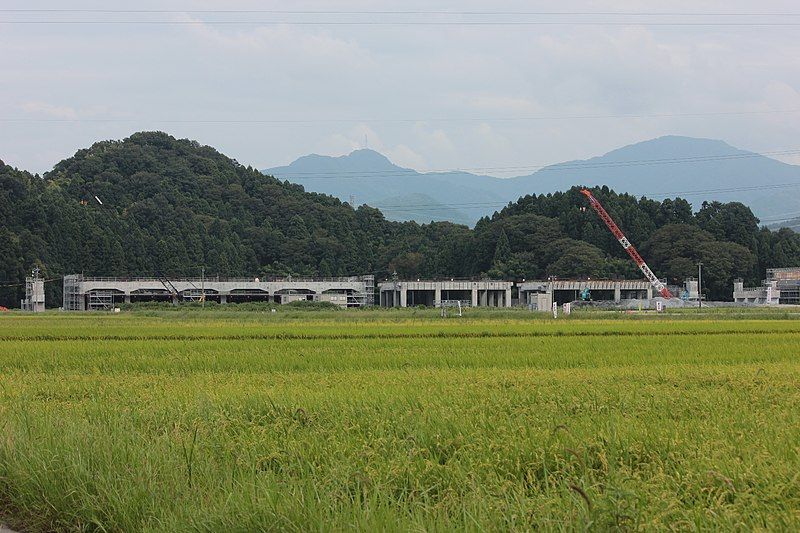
(699, 169)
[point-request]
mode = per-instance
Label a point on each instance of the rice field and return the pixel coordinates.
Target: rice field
(399, 421)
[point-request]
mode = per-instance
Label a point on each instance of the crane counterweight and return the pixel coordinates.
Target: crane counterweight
(626, 244)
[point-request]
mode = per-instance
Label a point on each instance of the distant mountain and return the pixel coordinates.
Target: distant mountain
(691, 168)
(368, 177)
(695, 169)
(422, 208)
(792, 224)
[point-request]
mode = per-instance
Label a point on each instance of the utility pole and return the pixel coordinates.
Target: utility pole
(202, 286)
(700, 284)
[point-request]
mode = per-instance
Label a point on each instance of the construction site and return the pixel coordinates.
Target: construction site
(782, 287)
(93, 293)
(84, 293)
(431, 293)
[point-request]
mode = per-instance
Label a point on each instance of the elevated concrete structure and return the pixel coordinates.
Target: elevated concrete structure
(541, 294)
(782, 287)
(766, 294)
(484, 293)
(87, 293)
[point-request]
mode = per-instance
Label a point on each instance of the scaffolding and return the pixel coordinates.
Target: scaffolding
(73, 298)
(787, 281)
(366, 298)
(34, 293)
(90, 293)
(99, 300)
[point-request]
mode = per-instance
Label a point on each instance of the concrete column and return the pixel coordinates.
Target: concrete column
(174, 299)
(127, 298)
(508, 297)
(649, 293)
(617, 294)
(437, 297)
(223, 298)
(403, 297)
(474, 297)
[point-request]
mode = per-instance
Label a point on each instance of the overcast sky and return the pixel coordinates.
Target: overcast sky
(429, 96)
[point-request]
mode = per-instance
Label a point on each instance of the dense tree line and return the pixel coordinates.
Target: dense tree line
(173, 207)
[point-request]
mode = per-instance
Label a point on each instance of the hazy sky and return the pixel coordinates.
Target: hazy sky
(429, 96)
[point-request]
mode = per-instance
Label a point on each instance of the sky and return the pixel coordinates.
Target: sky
(431, 84)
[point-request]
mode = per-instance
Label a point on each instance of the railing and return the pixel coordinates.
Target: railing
(760, 288)
(351, 279)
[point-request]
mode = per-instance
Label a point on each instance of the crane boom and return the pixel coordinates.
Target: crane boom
(626, 244)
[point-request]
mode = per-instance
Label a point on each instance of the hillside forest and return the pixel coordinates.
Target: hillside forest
(174, 207)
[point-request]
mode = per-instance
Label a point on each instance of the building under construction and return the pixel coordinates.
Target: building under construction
(542, 294)
(92, 293)
(782, 286)
(34, 294)
(485, 293)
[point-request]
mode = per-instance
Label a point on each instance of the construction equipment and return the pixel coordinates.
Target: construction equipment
(173, 292)
(626, 244)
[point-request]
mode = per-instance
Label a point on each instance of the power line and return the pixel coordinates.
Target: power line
(696, 192)
(733, 189)
(786, 217)
(362, 174)
(395, 23)
(408, 12)
(391, 120)
(18, 284)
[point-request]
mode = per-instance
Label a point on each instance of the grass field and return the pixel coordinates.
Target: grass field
(173, 421)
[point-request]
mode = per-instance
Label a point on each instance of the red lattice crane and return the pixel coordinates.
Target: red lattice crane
(623, 240)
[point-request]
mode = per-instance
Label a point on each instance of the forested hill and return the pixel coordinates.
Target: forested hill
(174, 206)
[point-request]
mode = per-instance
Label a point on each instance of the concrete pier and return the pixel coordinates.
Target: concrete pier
(485, 293)
(541, 294)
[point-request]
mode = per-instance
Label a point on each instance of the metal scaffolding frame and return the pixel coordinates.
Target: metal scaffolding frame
(34, 293)
(73, 299)
(92, 293)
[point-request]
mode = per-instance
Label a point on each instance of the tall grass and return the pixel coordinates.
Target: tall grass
(177, 423)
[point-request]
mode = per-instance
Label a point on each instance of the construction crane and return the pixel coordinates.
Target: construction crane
(623, 240)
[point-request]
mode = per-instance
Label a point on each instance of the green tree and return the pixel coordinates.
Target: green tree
(503, 249)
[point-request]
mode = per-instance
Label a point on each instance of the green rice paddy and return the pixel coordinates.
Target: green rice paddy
(399, 421)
